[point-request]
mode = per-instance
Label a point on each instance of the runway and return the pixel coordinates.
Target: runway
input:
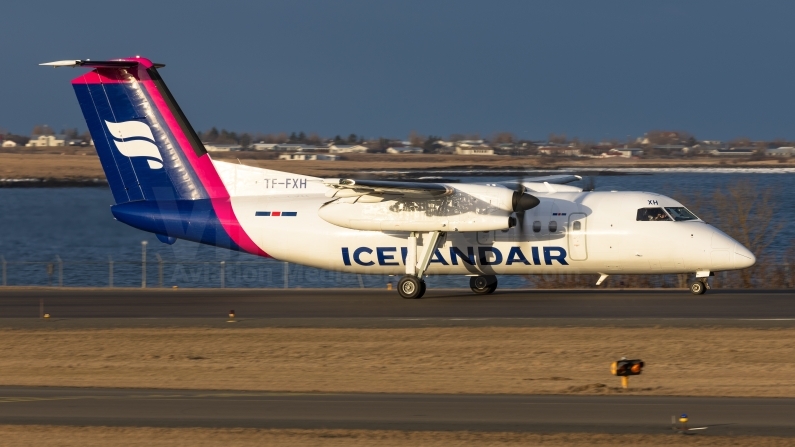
(603, 414)
(352, 307)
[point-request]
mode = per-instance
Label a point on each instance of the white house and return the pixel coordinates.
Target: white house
(308, 157)
(46, 141)
(404, 150)
(9, 143)
(479, 150)
(347, 148)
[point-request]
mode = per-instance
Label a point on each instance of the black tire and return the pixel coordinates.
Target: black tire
(698, 288)
(483, 285)
(422, 289)
(410, 287)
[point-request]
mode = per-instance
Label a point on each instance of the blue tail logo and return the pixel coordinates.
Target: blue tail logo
(135, 139)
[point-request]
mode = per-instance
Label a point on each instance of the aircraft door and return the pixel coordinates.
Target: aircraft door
(577, 232)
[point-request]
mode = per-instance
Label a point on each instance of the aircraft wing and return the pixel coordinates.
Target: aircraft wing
(554, 179)
(418, 190)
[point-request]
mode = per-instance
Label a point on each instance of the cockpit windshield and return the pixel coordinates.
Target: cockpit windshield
(681, 213)
(652, 214)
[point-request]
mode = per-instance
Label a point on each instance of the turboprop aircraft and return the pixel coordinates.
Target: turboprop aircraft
(163, 181)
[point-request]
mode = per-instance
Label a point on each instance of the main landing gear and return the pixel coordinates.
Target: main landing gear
(412, 286)
(483, 285)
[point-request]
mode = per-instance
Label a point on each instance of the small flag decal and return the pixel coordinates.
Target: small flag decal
(276, 213)
(558, 214)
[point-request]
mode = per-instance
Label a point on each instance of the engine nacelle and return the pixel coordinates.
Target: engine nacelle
(469, 208)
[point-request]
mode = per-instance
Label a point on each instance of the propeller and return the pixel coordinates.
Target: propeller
(521, 202)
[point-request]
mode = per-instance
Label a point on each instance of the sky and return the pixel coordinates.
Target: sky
(587, 69)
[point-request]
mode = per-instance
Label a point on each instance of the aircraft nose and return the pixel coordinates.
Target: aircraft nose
(743, 258)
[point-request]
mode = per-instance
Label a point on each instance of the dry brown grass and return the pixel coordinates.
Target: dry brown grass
(681, 361)
(69, 163)
(29, 435)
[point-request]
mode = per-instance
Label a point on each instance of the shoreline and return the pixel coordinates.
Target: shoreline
(80, 167)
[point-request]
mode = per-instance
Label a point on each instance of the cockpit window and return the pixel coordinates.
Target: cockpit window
(649, 214)
(681, 213)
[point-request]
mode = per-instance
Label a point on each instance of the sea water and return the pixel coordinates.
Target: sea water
(68, 235)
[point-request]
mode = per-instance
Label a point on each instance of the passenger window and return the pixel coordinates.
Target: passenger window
(650, 214)
(537, 226)
(577, 226)
(553, 226)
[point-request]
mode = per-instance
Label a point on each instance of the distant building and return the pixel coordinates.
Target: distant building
(262, 146)
(630, 152)
(75, 142)
(404, 150)
(733, 152)
(559, 151)
(294, 147)
(781, 152)
(308, 157)
(46, 141)
(479, 150)
(671, 147)
(9, 143)
(222, 147)
(470, 143)
(347, 148)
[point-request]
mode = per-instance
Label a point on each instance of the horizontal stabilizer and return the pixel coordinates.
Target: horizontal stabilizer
(90, 63)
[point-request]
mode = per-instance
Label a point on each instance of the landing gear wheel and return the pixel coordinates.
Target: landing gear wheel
(483, 284)
(698, 288)
(422, 290)
(411, 287)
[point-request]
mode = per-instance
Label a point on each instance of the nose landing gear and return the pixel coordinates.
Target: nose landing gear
(698, 287)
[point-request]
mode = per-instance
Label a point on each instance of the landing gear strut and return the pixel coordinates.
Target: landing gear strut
(412, 286)
(483, 284)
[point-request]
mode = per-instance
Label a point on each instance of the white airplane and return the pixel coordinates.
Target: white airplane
(164, 182)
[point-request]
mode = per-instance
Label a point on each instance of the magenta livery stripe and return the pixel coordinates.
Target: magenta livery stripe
(203, 166)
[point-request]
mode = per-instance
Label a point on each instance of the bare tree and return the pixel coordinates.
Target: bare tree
(416, 139)
(502, 137)
(42, 129)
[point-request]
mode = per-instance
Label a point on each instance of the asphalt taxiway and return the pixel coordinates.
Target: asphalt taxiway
(368, 307)
(534, 413)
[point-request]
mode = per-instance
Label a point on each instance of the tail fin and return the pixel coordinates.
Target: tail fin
(158, 170)
(145, 144)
